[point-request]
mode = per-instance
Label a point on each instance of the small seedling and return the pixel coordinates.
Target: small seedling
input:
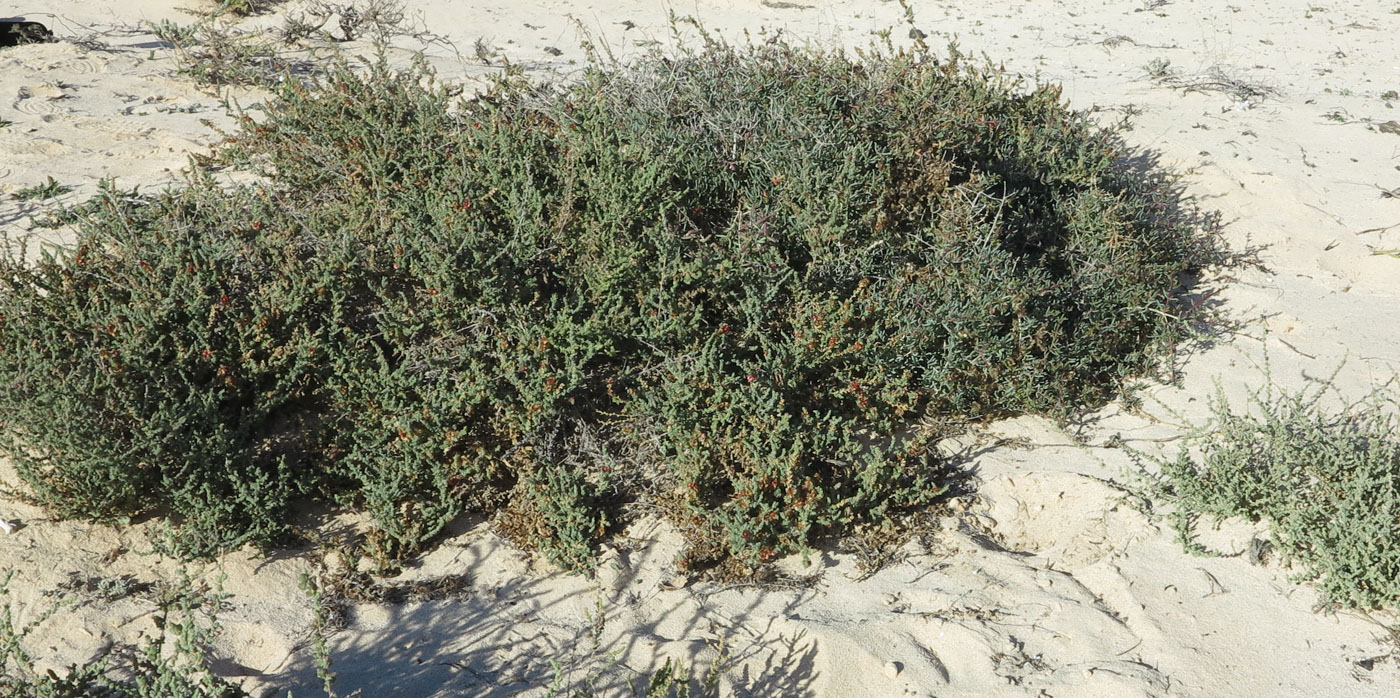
(1159, 68)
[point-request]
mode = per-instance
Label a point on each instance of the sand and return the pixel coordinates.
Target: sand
(1054, 578)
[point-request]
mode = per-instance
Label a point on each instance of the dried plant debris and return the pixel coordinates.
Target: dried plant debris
(1212, 79)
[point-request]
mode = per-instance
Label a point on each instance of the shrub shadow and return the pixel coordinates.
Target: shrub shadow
(559, 634)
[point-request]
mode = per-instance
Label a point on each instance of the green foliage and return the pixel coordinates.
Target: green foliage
(1327, 483)
(48, 190)
(669, 680)
(723, 284)
(328, 619)
(212, 51)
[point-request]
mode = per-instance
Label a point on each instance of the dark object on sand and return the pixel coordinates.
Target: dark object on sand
(16, 32)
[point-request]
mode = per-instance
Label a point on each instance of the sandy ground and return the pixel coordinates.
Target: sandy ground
(1054, 579)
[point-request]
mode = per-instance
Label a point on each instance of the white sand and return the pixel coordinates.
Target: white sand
(1084, 594)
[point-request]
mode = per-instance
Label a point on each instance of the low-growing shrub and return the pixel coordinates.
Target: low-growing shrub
(1327, 483)
(722, 283)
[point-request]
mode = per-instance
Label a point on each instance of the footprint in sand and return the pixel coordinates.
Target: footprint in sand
(1067, 519)
(62, 58)
(77, 65)
(29, 144)
(41, 100)
(117, 128)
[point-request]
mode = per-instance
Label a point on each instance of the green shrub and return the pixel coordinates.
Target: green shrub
(1327, 483)
(724, 283)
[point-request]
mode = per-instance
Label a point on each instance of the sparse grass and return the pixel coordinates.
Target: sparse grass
(586, 670)
(174, 666)
(177, 663)
(328, 617)
(580, 669)
(48, 190)
(215, 50)
(1326, 481)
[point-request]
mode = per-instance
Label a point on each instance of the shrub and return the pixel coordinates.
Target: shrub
(1328, 484)
(723, 283)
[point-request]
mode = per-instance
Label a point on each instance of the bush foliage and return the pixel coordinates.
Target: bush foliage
(722, 284)
(1327, 482)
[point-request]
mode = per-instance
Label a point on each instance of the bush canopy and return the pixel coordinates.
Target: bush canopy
(722, 284)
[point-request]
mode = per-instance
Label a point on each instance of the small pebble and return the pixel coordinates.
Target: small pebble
(892, 669)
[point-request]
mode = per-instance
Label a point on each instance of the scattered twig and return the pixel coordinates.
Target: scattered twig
(1381, 229)
(1216, 588)
(1324, 212)
(1214, 79)
(1296, 349)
